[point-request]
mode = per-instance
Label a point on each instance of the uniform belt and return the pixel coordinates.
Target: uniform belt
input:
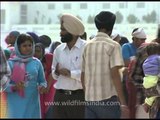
(70, 92)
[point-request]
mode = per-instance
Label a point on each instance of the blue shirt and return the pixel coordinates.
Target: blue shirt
(128, 50)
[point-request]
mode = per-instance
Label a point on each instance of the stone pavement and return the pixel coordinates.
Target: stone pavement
(141, 114)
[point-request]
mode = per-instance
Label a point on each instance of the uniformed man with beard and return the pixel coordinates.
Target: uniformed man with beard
(66, 69)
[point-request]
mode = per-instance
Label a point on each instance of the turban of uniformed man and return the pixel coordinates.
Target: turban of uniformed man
(72, 24)
(139, 33)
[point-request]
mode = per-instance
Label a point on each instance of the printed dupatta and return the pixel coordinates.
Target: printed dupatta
(19, 71)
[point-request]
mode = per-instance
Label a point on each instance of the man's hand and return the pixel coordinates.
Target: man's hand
(62, 71)
(57, 69)
(65, 72)
(41, 89)
(146, 107)
(124, 112)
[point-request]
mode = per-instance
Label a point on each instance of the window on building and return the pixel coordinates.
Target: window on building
(3, 16)
(23, 14)
(51, 6)
(83, 6)
(123, 5)
(67, 6)
(106, 5)
(140, 5)
(126, 5)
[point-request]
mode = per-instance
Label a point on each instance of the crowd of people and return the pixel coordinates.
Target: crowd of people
(103, 77)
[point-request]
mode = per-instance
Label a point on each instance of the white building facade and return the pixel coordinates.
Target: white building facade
(42, 17)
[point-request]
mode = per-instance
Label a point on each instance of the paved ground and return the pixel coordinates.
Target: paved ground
(141, 113)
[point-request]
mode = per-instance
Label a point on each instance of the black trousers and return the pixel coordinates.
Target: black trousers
(67, 105)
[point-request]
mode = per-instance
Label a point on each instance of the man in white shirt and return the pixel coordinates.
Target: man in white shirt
(66, 69)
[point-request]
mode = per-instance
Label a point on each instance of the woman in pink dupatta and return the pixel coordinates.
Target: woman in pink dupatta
(27, 81)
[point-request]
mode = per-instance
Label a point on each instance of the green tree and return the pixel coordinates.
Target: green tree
(59, 16)
(132, 19)
(49, 20)
(119, 17)
(146, 18)
(150, 18)
(79, 17)
(153, 16)
(90, 19)
(43, 19)
(35, 20)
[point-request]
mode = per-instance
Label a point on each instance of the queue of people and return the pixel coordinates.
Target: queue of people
(39, 81)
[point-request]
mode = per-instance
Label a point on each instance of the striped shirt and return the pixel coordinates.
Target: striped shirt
(99, 56)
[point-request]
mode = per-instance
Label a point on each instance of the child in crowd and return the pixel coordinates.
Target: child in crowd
(151, 69)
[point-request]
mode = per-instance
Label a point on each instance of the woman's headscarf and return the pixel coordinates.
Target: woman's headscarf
(42, 47)
(53, 46)
(17, 51)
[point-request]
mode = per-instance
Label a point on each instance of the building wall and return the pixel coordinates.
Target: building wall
(13, 11)
(93, 8)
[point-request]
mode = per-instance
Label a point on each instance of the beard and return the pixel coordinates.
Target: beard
(66, 38)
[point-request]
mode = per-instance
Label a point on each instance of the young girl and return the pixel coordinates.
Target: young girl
(46, 60)
(27, 81)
